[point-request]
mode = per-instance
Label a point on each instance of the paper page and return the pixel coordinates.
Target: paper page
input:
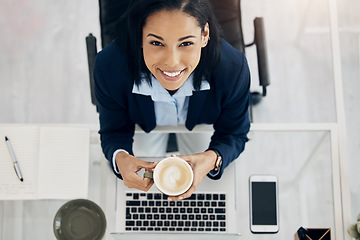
(63, 162)
(25, 143)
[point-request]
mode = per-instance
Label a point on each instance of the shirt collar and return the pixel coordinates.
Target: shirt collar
(158, 92)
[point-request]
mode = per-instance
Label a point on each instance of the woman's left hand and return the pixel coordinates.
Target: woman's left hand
(202, 164)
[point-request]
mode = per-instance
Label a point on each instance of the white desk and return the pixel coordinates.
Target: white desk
(299, 154)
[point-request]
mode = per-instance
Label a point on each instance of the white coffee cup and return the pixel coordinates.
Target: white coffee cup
(172, 176)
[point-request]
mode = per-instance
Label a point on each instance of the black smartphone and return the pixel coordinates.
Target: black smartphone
(264, 204)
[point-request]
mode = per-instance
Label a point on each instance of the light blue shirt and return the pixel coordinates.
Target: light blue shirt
(170, 110)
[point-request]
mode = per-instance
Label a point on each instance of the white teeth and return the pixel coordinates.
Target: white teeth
(172, 74)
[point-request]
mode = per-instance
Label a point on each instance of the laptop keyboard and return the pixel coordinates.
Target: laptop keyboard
(153, 212)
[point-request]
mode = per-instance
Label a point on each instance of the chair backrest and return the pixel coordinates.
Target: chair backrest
(110, 12)
(228, 14)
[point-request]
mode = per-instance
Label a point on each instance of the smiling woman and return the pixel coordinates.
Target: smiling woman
(169, 66)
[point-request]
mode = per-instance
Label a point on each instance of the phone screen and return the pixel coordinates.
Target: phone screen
(264, 203)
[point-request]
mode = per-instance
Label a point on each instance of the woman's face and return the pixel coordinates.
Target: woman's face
(172, 42)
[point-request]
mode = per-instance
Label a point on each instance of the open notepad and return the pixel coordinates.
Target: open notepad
(54, 162)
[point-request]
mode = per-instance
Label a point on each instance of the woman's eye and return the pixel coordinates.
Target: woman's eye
(185, 44)
(156, 43)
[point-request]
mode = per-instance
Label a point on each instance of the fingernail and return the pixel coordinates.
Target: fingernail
(181, 198)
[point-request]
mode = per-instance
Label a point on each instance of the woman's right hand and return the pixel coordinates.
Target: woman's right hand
(129, 165)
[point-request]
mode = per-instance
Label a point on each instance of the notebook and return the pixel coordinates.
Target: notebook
(45, 155)
(210, 212)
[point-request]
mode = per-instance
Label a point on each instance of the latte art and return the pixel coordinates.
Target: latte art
(173, 176)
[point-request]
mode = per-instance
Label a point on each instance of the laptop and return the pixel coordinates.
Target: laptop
(210, 213)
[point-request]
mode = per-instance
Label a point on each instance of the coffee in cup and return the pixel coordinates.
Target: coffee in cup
(172, 176)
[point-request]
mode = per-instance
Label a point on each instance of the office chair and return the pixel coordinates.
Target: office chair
(228, 13)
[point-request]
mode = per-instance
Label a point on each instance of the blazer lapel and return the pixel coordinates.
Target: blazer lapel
(147, 112)
(196, 102)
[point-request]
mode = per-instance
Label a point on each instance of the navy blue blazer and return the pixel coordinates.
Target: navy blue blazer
(225, 105)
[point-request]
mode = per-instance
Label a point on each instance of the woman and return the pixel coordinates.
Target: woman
(170, 67)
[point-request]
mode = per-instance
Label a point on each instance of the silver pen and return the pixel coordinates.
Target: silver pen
(13, 157)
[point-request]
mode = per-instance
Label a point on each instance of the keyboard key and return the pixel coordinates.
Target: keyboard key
(222, 204)
(135, 196)
(220, 217)
(220, 210)
(132, 203)
(157, 196)
(200, 196)
(215, 197)
(130, 223)
(149, 196)
(192, 197)
(222, 197)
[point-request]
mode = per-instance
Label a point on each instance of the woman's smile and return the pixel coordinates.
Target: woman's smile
(172, 75)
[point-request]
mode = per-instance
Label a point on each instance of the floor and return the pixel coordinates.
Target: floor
(44, 72)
